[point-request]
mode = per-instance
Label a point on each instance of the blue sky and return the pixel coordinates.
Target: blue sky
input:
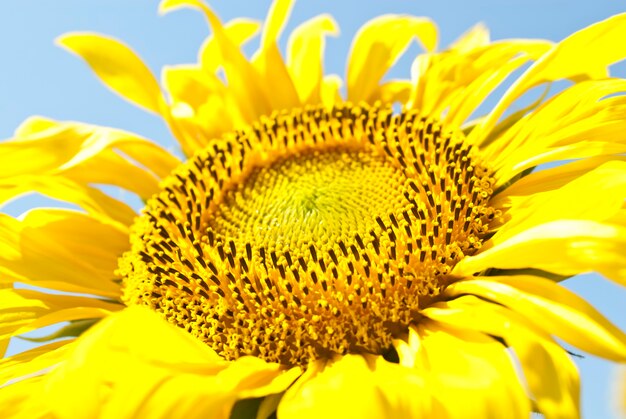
(38, 78)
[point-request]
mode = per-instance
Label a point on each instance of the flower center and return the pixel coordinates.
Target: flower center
(310, 234)
(310, 198)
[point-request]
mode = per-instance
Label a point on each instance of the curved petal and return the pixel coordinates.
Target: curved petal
(274, 23)
(190, 85)
(356, 386)
(554, 308)
(134, 364)
(565, 247)
(26, 310)
(63, 250)
(305, 56)
(551, 375)
(377, 46)
(470, 98)
(585, 54)
(394, 91)
(202, 109)
(43, 146)
(476, 37)
(582, 121)
(268, 61)
(453, 83)
(244, 80)
(118, 67)
(552, 178)
(33, 361)
(17, 400)
(239, 31)
(103, 170)
(330, 90)
(202, 106)
(596, 196)
(93, 201)
(468, 373)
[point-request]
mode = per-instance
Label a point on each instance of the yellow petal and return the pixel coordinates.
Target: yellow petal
(356, 386)
(559, 311)
(191, 85)
(274, 23)
(477, 91)
(17, 400)
(202, 106)
(268, 60)
(577, 102)
(118, 67)
(478, 36)
(261, 385)
(34, 125)
(550, 374)
(17, 311)
(93, 201)
(566, 247)
(468, 373)
(26, 310)
(108, 167)
(400, 387)
(596, 196)
(586, 53)
(552, 178)
(579, 122)
(378, 45)
(239, 31)
(67, 315)
(275, 76)
(33, 361)
(58, 147)
(330, 90)
(305, 56)
(148, 154)
(243, 79)
(63, 250)
(610, 144)
(394, 91)
(619, 218)
(452, 84)
(134, 364)
(40, 145)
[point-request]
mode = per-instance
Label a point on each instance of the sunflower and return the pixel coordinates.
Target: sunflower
(386, 254)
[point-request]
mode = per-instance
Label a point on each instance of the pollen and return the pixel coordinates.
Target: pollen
(314, 232)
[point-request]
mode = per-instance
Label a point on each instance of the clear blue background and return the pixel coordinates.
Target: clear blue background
(38, 78)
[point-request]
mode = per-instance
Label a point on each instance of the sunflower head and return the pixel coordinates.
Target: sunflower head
(378, 255)
(313, 233)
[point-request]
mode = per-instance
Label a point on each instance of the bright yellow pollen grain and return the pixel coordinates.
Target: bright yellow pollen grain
(310, 234)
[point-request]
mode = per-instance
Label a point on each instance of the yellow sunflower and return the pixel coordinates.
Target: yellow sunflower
(316, 256)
